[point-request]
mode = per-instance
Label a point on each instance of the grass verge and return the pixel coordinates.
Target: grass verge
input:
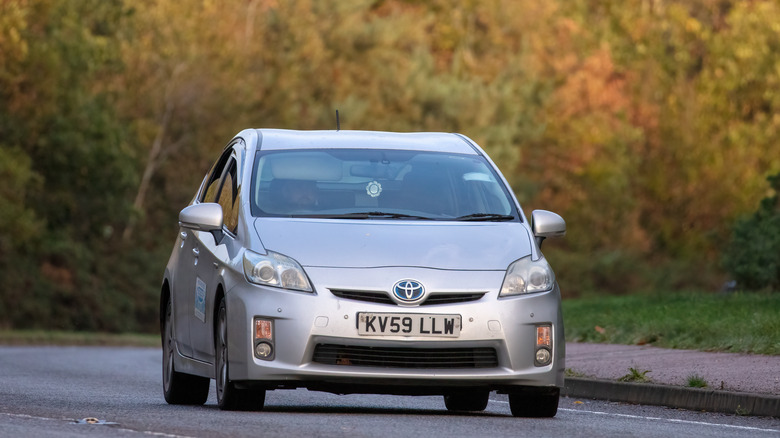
(736, 322)
(636, 375)
(42, 337)
(697, 381)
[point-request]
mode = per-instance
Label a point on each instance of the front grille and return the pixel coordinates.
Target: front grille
(452, 298)
(351, 355)
(384, 298)
(361, 295)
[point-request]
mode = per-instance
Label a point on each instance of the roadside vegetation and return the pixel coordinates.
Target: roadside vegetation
(696, 381)
(650, 126)
(735, 322)
(60, 338)
(636, 376)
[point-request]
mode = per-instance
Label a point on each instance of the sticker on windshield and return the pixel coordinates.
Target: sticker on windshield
(374, 189)
(200, 299)
(477, 176)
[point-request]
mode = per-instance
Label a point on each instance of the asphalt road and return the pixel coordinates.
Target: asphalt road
(49, 391)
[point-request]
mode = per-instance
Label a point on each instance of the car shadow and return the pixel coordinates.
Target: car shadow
(372, 411)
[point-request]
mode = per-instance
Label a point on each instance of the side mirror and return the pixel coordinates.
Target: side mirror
(547, 224)
(203, 217)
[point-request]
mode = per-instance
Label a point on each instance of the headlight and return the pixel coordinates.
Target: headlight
(526, 276)
(275, 270)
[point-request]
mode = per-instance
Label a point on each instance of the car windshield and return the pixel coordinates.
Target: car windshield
(378, 184)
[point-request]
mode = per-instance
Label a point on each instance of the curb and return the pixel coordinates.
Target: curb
(764, 405)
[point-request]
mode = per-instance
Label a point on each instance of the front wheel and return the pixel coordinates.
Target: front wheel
(534, 402)
(179, 388)
(230, 398)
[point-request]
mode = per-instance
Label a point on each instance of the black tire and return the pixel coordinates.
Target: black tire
(230, 398)
(534, 402)
(471, 401)
(179, 388)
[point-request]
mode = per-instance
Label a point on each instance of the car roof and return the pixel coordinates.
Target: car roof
(284, 139)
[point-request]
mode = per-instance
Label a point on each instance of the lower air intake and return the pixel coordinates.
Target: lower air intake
(351, 355)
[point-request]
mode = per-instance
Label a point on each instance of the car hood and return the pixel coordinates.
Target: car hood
(380, 243)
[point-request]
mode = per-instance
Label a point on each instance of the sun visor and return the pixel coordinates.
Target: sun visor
(318, 167)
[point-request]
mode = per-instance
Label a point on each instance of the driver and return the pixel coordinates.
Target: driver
(300, 194)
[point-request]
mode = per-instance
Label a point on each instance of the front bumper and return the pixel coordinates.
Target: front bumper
(304, 321)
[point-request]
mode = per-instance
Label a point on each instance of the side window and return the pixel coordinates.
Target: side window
(228, 197)
(211, 190)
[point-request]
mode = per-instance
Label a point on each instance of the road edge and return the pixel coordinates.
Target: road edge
(764, 405)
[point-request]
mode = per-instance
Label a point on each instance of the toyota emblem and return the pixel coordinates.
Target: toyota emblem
(408, 290)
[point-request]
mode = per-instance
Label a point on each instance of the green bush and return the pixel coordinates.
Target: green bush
(753, 255)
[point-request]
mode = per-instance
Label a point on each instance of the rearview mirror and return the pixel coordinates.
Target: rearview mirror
(203, 217)
(547, 224)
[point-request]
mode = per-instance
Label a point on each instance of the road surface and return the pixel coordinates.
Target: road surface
(52, 391)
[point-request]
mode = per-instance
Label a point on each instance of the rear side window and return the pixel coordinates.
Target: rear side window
(211, 190)
(228, 197)
(223, 187)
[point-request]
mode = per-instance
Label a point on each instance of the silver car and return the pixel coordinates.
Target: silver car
(361, 262)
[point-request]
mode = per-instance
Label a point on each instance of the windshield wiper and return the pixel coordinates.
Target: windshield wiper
(381, 215)
(365, 215)
(485, 217)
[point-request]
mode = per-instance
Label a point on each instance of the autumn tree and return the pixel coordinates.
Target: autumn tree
(64, 155)
(649, 125)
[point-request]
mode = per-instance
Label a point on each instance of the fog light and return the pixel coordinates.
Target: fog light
(544, 345)
(264, 329)
(543, 356)
(543, 338)
(264, 339)
(263, 350)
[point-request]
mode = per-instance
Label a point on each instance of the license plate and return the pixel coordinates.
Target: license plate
(408, 324)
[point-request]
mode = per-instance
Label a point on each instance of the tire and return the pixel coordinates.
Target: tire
(471, 401)
(534, 402)
(179, 388)
(230, 398)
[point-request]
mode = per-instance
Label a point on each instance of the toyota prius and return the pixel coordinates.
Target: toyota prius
(361, 262)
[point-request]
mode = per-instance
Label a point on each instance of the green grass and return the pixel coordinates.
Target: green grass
(570, 372)
(738, 322)
(635, 375)
(696, 381)
(41, 337)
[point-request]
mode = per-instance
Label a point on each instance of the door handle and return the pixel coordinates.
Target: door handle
(195, 252)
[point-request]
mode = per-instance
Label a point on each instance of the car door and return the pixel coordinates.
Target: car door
(187, 285)
(215, 256)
